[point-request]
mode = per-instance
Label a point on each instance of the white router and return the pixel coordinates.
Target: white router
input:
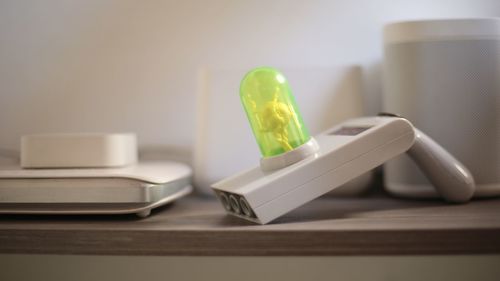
(88, 174)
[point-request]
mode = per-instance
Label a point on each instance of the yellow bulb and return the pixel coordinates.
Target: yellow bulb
(272, 112)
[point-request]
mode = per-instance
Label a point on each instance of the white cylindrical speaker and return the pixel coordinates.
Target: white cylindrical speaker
(444, 76)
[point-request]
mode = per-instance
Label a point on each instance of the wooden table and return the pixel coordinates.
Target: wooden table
(326, 226)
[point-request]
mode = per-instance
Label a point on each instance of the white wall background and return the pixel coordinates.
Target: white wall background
(102, 65)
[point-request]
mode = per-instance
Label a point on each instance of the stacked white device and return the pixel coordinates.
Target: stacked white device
(88, 174)
(345, 152)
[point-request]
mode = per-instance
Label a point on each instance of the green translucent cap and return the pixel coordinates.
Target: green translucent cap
(271, 109)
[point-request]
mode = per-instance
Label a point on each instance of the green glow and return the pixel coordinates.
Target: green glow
(271, 109)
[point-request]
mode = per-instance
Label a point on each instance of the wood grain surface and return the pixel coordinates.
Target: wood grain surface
(326, 226)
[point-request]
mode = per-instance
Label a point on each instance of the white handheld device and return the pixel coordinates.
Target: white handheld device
(345, 152)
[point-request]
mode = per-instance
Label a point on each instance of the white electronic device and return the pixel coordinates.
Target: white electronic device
(132, 189)
(443, 75)
(327, 95)
(78, 150)
(345, 152)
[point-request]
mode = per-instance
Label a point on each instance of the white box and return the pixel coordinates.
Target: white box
(78, 150)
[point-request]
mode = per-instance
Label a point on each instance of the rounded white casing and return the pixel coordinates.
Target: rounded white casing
(288, 158)
(442, 75)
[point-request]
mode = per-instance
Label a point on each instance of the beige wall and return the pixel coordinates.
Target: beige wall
(123, 65)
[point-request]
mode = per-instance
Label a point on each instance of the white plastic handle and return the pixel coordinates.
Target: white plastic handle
(452, 179)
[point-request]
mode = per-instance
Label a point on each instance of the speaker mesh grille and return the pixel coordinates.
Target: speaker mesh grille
(451, 91)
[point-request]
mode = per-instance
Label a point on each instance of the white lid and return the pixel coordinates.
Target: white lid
(157, 172)
(449, 29)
